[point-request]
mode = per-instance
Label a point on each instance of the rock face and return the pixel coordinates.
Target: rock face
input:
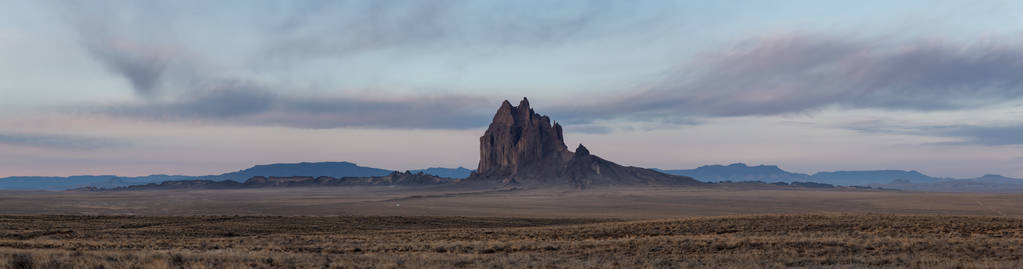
(523, 147)
(520, 142)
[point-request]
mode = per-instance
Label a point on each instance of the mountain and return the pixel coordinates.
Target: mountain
(522, 147)
(998, 179)
(315, 169)
(739, 172)
(771, 173)
(870, 177)
(391, 179)
(328, 169)
(460, 172)
(889, 179)
(986, 183)
(72, 182)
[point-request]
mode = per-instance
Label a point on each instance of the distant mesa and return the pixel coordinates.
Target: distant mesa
(76, 182)
(522, 147)
(337, 170)
(460, 172)
(739, 172)
(771, 173)
(406, 178)
(316, 169)
(871, 177)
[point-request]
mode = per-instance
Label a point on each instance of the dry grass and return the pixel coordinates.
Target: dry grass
(804, 240)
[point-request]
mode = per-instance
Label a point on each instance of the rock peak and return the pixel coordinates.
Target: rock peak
(581, 151)
(523, 147)
(519, 137)
(505, 114)
(524, 110)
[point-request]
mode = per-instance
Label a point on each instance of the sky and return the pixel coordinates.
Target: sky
(198, 87)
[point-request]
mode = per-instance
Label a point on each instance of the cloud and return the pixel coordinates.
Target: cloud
(335, 28)
(58, 141)
(190, 89)
(803, 72)
(589, 129)
(128, 46)
(778, 74)
(253, 106)
(981, 135)
(193, 91)
(178, 83)
(966, 134)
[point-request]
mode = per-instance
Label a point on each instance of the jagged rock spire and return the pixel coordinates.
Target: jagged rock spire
(517, 137)
(523, 147)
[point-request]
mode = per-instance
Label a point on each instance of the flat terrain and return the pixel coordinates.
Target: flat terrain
(623, 203)
(771, 241)
(394, 227)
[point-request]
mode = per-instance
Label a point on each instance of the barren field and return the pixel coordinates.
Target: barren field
(803, 240)
(388, 227)
(623, 203)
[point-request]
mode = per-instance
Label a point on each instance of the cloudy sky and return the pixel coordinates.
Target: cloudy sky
(200, 87)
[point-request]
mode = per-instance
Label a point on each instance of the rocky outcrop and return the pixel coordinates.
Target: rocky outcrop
(519, 140)
(523, 147)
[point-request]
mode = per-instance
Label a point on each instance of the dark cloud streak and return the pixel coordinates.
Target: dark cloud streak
(804, 72)
(966, 134)
(142, 63)
(178, 85)
(58, 141)
(141, 70)
(258, 107)
(982, 135)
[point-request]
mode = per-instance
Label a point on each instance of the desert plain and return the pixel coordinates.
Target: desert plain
(720, 225)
